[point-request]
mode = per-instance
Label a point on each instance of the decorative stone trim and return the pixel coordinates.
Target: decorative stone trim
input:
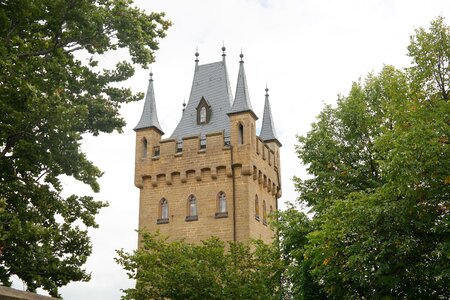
(162, 221)
(220, 215)
(191, 218)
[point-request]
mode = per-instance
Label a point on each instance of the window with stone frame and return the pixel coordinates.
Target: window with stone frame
(221, 205)
(144, 147)
(240, 134)
(256, 208)
(192, 209)
(264, 213)
(203, 112)
(163, 211)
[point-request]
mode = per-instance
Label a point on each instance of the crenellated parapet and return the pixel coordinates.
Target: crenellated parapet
(175, 162)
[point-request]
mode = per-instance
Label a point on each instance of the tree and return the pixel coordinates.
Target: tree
(293, 227)
(49, 98)
(379, 188)
(210, 270)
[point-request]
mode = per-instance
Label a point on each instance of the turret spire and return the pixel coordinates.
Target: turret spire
(242, 99)
(268, 132)
(149, 117)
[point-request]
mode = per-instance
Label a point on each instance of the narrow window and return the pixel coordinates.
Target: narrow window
(144, 147)
(164, 209)
(163, 212)
(222, 202)
(241, 134)
(192, 209)
(156, 151)
(203, 115)
(264, 213)
(271, 210)
(221, 205)
(256, 208)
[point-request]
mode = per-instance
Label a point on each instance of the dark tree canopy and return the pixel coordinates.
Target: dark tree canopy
(379, 188)
(48, 100)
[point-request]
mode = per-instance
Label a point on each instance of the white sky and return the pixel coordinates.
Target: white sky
(307, 52)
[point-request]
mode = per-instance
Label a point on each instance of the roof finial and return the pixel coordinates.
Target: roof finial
(151, 75)
(184, 104)
(196, 54)
(267, 90)
(241, 56)
(223, 50)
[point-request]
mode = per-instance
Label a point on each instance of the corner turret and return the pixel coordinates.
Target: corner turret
(242, 117)
(148, 132)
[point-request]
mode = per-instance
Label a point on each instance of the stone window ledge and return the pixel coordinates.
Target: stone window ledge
(220, 215)
(191, 218)
(162, 221)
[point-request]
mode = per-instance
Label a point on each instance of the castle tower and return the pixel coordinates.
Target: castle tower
(214, 175)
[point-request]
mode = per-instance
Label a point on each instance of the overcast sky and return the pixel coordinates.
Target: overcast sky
(306, 51)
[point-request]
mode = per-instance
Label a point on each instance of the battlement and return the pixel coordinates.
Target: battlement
(195, 157)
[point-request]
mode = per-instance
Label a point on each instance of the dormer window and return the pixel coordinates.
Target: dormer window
(203, 112)
(203, 115)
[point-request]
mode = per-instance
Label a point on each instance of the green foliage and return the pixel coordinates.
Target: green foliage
(48, 99)
(293, 228)
(380, 184)
(211, 270)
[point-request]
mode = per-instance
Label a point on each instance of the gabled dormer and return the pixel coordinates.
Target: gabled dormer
(203, 112)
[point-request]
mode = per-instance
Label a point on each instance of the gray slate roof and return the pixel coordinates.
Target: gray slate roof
(149, 116)
(242, 99)
(211, 82)
(268, 132)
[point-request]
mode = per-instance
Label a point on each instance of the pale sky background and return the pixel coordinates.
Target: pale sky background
(306, 51)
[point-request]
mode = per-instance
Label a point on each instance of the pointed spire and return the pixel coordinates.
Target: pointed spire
(149, 117)
(268, 132)
(242, 99)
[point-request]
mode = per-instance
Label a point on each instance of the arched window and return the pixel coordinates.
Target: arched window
(164, 209)
(203, 115)
(264, 213)
(221, 205)
(203, 112)
(256, 208)
(144, 147)
(240, 134)
(270, 210)
(163, 212)
(192, 209)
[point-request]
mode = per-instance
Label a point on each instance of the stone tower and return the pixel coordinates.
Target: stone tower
(214, 175)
